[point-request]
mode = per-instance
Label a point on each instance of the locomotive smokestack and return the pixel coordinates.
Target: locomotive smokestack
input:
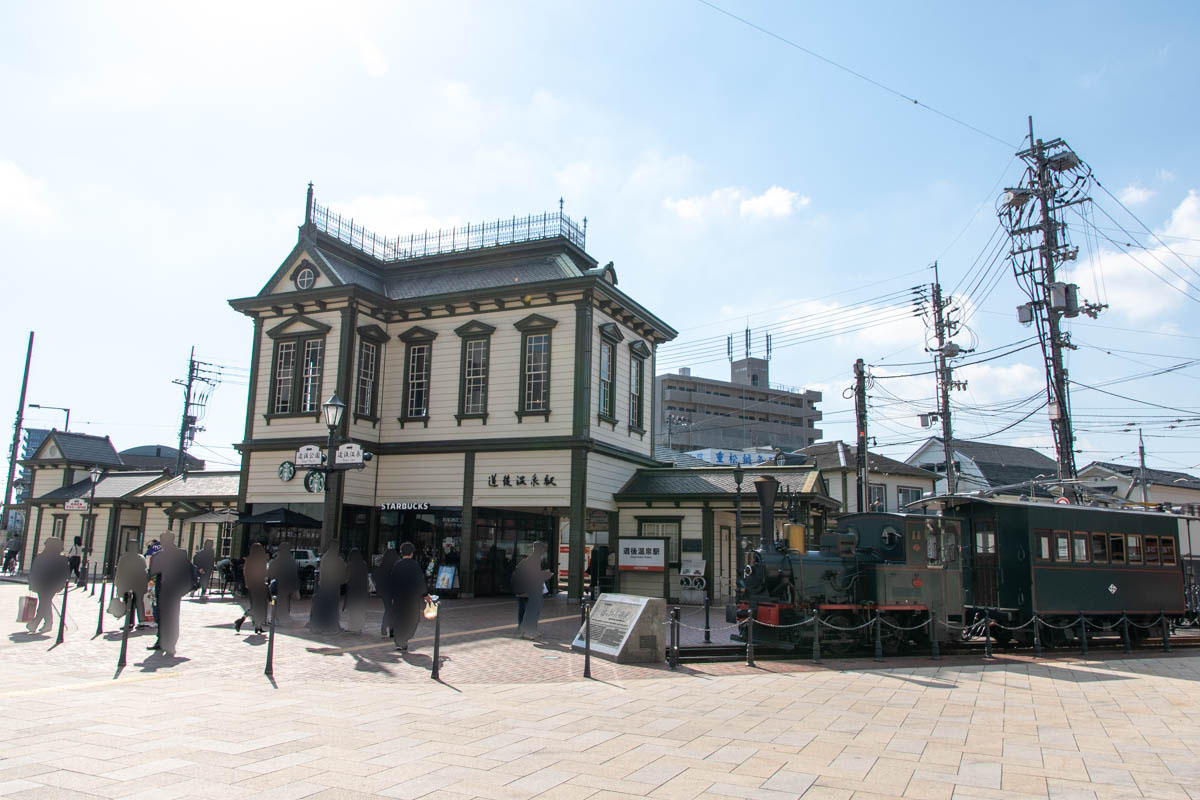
(766, 487)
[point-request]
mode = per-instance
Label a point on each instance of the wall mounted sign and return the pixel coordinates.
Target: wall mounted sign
(314, 481)
(308, 456)
(287, 471)
(642, 555)
(521, 480)
(406, 505)
(76, 504)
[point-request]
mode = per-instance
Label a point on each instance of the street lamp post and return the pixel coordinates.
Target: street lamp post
(737, 506)
(95, 475)
(333, 408)
(67, 411)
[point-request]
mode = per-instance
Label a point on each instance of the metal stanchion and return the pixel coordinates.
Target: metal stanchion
(1125, 642)
(1082, 634)
(62, 617)
(269, 671)
(128, 626)
(987, 633)
(92, 591)
(707, 624)
(1037, 636)
(100, 615)
(1166, 633)
(436, 672)
(935, 647)
(587, 641)
(878, 637)
(816, 636)
(750, 638)
(673, 655)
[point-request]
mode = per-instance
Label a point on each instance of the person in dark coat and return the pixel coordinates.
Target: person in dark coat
(254, 573)
(172, 575)
(284, 572)
(358, 591)
(46, 579)
(383, 587)
(529, 582)
(205, 561)
(133, 578)
(326, 603)
(409, 592)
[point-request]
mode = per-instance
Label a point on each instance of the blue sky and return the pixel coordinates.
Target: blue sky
(154, 160)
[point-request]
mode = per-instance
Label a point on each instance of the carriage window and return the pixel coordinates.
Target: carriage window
(985, 541)
(1166, 549)
(1043, 545)
(1062, 546)
(1150, 549)
(1099, 548)
(1116, 550)
(950, 531)
(1134, 548)
(1079, 547)
(933, 549)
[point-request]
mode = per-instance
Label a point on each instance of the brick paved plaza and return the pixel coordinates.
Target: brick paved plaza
(346, 717)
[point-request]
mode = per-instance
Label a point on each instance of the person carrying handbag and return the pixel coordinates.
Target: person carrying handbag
(529, 582)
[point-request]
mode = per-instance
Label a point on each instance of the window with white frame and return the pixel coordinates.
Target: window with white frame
(663, 529)
(310, 395)
(475, 374)
(906, 495)
(637, 372)
(606, 381)
(285, 373)
(416, 396)
(876, 497)
(368, 374)
(533, 398)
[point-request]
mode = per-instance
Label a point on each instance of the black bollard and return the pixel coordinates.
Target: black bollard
(1166, 633)
(1037, 636)
(1126, 644)
(436, 672)
(987, 633)
(816, 636)
(675, 638)
(100, 616)
(750, 638)
(269, 671)
(92, 591)
(126, 628)
(62, 617)
(707, 624)
(878, 637)
(935, 647)
(587, 642)
(1082, 634)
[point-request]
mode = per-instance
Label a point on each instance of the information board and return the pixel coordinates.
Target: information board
(642, 555)
(447, 578)
(613, 618)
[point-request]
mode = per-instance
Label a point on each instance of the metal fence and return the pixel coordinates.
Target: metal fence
(530, 228)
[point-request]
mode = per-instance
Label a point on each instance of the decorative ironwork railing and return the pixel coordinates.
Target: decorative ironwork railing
(448, 240)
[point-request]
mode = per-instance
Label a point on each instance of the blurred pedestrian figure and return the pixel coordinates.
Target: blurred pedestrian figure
(50, 572)
(327, 599)
(12, 548)
(358, 591)
(172, 580)
(75, 556)
(205, 561)
(408, 592)
(133, 576)
(529, 582)
(254, 573)
(383, 587)
(284, 572)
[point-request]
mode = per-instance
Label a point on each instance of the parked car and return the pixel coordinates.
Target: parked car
(306, 558)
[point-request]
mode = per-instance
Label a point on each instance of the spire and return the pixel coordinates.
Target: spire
(308, 205)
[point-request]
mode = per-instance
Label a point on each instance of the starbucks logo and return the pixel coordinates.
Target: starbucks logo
(287, 471)
(314, 481)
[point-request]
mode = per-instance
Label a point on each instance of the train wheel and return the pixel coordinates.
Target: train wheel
(835, 642)
(894, 641)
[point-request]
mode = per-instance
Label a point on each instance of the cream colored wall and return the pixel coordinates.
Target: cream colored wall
(833, 478)
(504, 363)
(435, 478)
(285, 284)
(363, 429)
(556, 463)
(263, 484)
(691, 527)
(620, 435)
(606, 476)
(360, 485)
(156, 524)
(46, 479)
(296, 426)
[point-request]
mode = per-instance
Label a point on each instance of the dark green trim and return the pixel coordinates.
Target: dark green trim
(582, 401)
(654, 409)
(466, 567)
(301, 340)
(474, 332)
(373, 417)
(578, 524)
(706, 547)
(535, 322)
(372, 333)
(534, 329)
(607, 411)
(611, 332)
(634, 358)
(632, 456)
(280, 331)
(416, 336)
(251, 404)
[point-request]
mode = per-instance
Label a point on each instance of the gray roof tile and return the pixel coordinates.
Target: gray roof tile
(197, 484)
(82, 448)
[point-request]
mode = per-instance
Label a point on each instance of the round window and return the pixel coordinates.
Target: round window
(305, 278)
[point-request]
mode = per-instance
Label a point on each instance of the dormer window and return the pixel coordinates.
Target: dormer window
(305, 278)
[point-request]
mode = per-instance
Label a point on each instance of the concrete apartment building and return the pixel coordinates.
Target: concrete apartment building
(693, 413)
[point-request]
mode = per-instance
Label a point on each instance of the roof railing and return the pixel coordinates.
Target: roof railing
(529, 228)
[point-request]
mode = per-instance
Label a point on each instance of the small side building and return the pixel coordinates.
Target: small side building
(892, 484)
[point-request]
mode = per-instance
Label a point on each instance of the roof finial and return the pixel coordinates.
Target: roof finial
(308, 205)
(560, 206)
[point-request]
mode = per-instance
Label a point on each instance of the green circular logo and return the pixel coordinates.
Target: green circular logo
(287, 471)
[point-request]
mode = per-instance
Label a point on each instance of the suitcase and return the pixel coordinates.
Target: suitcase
(26, 608)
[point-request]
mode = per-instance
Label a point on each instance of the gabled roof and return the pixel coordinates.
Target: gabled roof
(112, 486)
(675, 458)
(709, 481)
(1156, 477)
(157, 456)
(839, 455)
(1003, 454)
(80, 448)
(196, 484)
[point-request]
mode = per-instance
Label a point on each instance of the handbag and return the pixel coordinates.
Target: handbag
(431, 609)
(116, 607)
(26, 608)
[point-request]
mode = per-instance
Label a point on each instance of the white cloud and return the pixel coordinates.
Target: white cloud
(776, 202)
(25, 199)
(1133, 195)
(372, 59)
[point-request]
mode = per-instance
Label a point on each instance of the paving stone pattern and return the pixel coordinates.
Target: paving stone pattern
(346, 717)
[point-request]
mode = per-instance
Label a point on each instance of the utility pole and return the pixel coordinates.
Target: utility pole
(16, 442)
(1055, 178)
(944, 383)
(860, 417)
(1145, 480)
(188, 424)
